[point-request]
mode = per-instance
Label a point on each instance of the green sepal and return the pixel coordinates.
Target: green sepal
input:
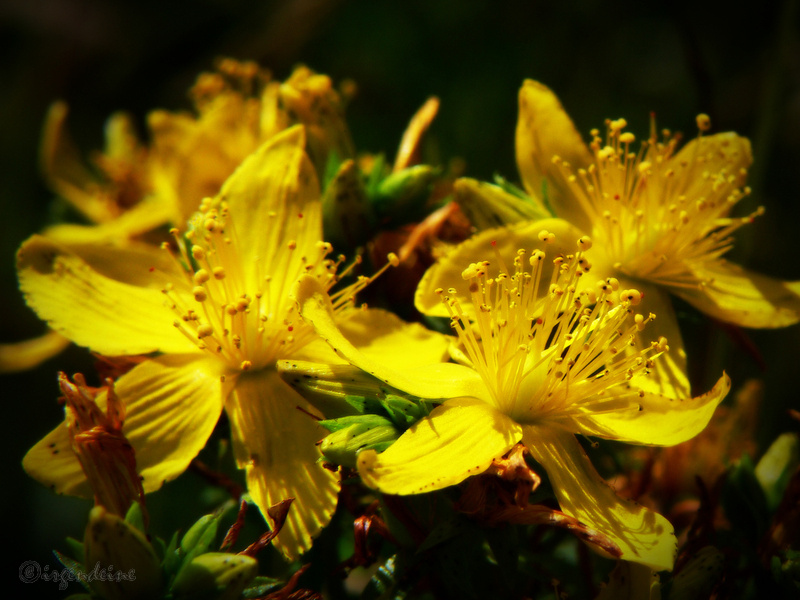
(400, 197)
(489, 205)
(261, 585)
(744, 501)
(135, 517)
(215, 576)
(200, 535)
(75, 548)
(335, 390)
(403, 411)
(73, 566)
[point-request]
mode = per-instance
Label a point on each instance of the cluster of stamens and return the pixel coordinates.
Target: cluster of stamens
(235, 310)
(550, 350)
(656, 214)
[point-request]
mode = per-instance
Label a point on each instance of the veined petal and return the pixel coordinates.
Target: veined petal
(441, 380)
(145, 216)
(172, 405)
(446, 272)
(460, 438)
(383, 336)
(712, 155)
(275, 443)
(544, 130)
(742, 297)
(644, 536)
(274, 197)
(21, 356)
(662, 420)
(107, 316)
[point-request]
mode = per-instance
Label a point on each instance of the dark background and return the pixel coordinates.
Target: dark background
(604, 59)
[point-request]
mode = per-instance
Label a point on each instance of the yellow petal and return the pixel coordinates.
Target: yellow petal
(743, 297)
(274, 197)
(276, 444)
(669, 375)
(662, 420)
(712, 155)
(645, 537)
(441, 380)
(172, 405)
(383, 336)
(545, 130)
(107, 316)
(22, 356)
(64, 170)
(446, 272)
(460, 438)
(145, 216)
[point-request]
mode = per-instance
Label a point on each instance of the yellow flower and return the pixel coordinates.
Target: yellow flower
(659, 215)
(133, 188)
(219, 318)
(540, 368)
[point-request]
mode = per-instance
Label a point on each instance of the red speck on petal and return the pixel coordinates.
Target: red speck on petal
(151, 269)
(494, 242)
(299, 215)
(291, 328)
(616, 196)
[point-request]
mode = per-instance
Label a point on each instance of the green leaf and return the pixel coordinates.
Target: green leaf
(744, 501)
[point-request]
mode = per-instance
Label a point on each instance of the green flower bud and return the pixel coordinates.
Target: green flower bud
(347, 216)
(120, 564)
(400, 197)
(697, 579)
(343, 445)
(215, 576)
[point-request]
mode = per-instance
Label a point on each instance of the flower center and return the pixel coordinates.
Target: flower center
(656, 213)
(549, 355)
(236, 311)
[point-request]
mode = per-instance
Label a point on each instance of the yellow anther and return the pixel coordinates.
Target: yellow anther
(219, 273)
(245, 365)
(210, 224)
(703, 122)
(546, 236)
(584, 243)
(198, 253)
(201, 276)
(393, 259)
(632, 296)
(292, 245)
(627, 138)
(204, 330)
(644, 166)
(199, 294)
(605, 153)
(618, 124)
